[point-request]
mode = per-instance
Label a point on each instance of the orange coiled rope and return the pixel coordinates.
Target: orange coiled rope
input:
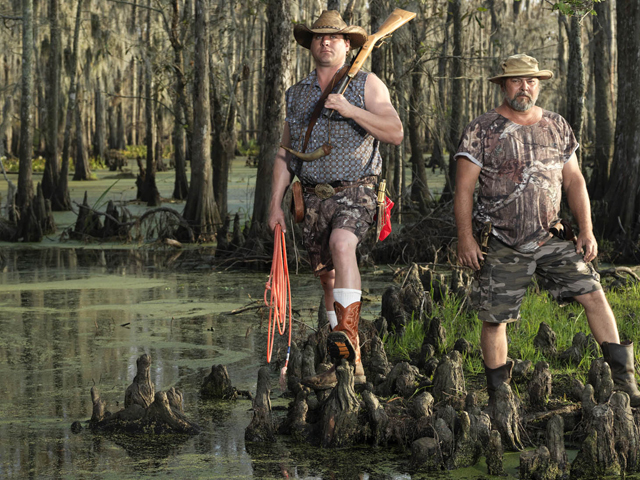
(280, 288)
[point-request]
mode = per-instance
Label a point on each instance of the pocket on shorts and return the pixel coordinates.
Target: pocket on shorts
(482, 293)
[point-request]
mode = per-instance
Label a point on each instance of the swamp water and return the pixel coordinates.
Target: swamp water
(72, 318)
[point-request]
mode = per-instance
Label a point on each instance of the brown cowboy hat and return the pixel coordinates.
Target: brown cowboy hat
(521, 65)
(330, 21)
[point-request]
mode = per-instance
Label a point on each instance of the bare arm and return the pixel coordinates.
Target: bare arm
(469, 253)
(575, 189)
(279, 182)
(380, 119)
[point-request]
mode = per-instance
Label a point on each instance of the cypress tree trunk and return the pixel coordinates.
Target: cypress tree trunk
(121, 138)
(603, 67)
(224, 140)
(113, 126)
(181, 187)
(40, 102)
(276, 75)
(457, 88)
(134, 103)
(82, 169)
(201, 211)
(576, 86)
(149, 189)
(100, 136)
(61, 200)
(419, 189)
(437, 156)
(25, 184)
(52, 87)
(622, 196)
(159, 145)
(378, 14)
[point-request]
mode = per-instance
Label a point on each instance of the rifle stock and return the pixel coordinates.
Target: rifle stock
(394, 21)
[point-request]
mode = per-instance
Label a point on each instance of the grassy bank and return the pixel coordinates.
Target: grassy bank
(564, 319)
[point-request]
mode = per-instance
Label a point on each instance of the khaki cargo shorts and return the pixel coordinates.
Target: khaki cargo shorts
(351, 209)
(506, 275)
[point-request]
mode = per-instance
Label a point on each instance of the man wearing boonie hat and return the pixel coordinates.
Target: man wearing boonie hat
(524, 156)
(339, 188)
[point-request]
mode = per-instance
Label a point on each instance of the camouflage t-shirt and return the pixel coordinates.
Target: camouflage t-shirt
(521, 176)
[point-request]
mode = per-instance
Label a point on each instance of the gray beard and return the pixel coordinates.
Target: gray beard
(520, 106)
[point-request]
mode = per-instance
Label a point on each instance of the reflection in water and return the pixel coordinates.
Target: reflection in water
(74, 318)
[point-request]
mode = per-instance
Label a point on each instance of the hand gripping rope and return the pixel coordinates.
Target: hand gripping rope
(280, 288)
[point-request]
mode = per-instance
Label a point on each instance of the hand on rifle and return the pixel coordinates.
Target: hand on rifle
(337, 102)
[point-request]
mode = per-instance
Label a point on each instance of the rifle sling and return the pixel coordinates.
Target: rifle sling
(320, 105)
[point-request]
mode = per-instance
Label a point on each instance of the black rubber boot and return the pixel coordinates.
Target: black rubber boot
(621, 361)
(495, 378)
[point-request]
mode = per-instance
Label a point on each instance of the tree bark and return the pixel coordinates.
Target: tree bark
(39, 125)
(50, 177)
(440, 140)
(181, 186)
(120, 139)
(201, 211)
(25, 184)
(333, 4)
(223, 143)
(576, 85)
(378, 11)
(603, 73)
(82, 170)
(149, 189)
(61, 200)
(455, 127)
(276, 75)
(419, 187)
(621, 215)
(100, 135)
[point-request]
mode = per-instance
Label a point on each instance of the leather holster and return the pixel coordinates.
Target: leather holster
(297, 202)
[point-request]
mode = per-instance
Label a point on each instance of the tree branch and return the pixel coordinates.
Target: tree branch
(116, 95)
(136, 5)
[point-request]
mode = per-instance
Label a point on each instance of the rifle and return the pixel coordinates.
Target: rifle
(395, 20)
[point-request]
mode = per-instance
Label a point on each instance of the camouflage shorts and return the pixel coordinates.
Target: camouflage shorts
(351, 209)
(506, 274)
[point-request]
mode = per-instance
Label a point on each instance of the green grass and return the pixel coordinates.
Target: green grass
(565, 320)
(405, 347)
(12, 164)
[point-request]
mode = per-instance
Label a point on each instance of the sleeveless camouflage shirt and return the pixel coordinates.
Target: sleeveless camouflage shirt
(521, 177)
(355, 153)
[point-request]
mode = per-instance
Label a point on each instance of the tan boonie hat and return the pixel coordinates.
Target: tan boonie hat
(330, 21)
(521, 65)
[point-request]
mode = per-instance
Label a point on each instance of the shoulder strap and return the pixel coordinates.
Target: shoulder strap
(320, 105)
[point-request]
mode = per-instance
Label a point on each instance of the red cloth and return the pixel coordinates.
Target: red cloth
(386, 225)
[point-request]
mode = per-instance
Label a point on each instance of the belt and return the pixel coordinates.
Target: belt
(328, 190)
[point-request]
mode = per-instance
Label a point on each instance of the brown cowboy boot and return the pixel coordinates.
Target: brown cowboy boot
(342, 341)
(621, 361)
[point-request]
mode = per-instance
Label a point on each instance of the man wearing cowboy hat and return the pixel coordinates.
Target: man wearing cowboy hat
(524, 157)
(339, 188)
